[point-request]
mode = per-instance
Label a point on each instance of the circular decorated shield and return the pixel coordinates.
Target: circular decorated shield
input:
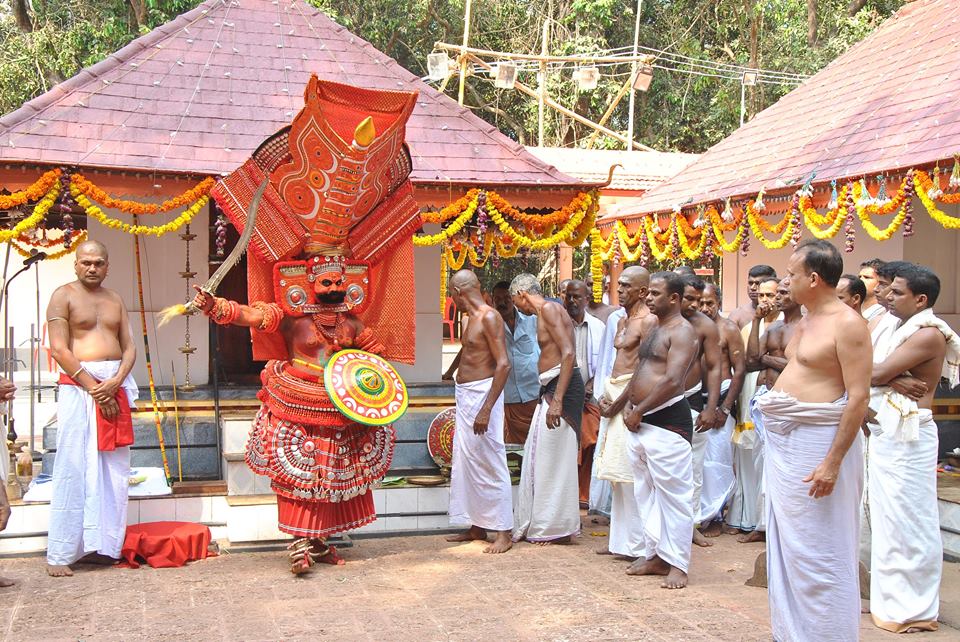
(440, 437)
(365, 387)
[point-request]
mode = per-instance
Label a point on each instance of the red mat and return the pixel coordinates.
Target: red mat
(165, 544)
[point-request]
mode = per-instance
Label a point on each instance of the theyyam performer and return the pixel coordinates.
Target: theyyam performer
(332, 221)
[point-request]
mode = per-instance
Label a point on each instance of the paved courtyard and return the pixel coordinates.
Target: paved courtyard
(410, 588)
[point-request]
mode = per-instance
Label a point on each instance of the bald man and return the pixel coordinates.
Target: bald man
(480, 491)
(90, 341)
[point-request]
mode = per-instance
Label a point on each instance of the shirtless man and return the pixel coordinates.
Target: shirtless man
(90, 341)
(743, 315)
(767, 352)
(852, 291)
(705, 367)
(658, 417)
(548, 508)
(813, 458)
(906, 554)
(599, 309)
(719, 456)
(613, 463)
(480, 489)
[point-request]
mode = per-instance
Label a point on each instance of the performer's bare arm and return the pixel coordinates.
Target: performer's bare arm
(681, 349)
(448, 375)
(855, 357)
(634, 332)
(249, 316)
(712, 358)
(557, 323)
(58, 329)
(738, 365)
(492, 326)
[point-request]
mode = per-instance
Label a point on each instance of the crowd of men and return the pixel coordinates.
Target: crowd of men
(758, 423)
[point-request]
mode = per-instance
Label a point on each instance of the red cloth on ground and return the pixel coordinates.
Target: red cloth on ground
(111, 433)
(322, 519)
(165, 544)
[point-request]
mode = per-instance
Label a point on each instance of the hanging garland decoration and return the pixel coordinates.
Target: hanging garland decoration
(32, 193)
(923, 188)
(626, 241)
(720, 226)
(660, 252)
(36, 217)
(872, 229)
(455, 262)
(685, 231)
(443, 284)
(814, 221)
(139, 230)
(81, 185)
(785, 235)
(575, 219)
(69, 248)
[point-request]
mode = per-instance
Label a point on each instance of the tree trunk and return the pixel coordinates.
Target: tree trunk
(22, 13)
(812, 23)
(855, 6)
(138, 11)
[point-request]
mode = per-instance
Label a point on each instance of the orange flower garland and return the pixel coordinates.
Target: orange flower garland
(451, 211)
(32, 193)
(79, 184)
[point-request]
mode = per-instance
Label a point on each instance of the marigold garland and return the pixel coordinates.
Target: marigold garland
(67, 249)
(683, 237)
(924, 183)
(81, 185)
(39, 213)
(140, 230)
(775, 244)
(31, 193)
(451, 211)
(450, 231)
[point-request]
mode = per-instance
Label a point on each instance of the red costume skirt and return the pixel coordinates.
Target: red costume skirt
(321, 465)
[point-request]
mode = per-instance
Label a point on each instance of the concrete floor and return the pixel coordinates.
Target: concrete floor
(411, 588)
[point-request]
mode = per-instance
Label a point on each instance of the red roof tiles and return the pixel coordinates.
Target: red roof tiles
(891, 102)
(637, 171)
(201, 92)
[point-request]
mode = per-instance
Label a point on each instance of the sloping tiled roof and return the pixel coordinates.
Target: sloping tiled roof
(890, 102)
(200, 93)
(639, 171)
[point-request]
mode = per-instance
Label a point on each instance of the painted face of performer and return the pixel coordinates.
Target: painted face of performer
(690, 302)
(329, 285)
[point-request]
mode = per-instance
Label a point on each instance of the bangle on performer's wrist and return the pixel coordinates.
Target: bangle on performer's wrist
(79, 370)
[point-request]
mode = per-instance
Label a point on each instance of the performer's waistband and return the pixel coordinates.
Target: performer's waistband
(473, 386)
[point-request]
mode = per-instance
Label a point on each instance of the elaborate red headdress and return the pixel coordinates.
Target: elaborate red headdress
(335, 200)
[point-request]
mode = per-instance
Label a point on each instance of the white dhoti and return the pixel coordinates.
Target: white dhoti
(663, 488)
(480, 491)
(812, 565)
(718, 479)
(698, 444)
(88, 510)
(746, 505)
(548, 499)
(907, 554)
(612, 462)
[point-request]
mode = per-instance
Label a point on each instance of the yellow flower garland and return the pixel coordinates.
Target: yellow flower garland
(39, 213)
(626, 242)
(140, 230)
(659, 253)
(67, 249)
(565, 233)
(443, 284)
(757, 232)
(450, 231)
(455, 262)
(691, 253)
(923, 183)
(31, 193)
(716, 225)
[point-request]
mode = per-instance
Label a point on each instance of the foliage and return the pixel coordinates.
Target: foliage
(680, 112)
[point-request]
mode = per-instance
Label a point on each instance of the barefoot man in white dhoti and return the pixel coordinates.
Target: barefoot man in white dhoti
(813, 463)
(661, 428)
(907, 553)
(705, 374)
(612, 459)
(718, 478)
(548, 507)
(480, 490)
(90, 340)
